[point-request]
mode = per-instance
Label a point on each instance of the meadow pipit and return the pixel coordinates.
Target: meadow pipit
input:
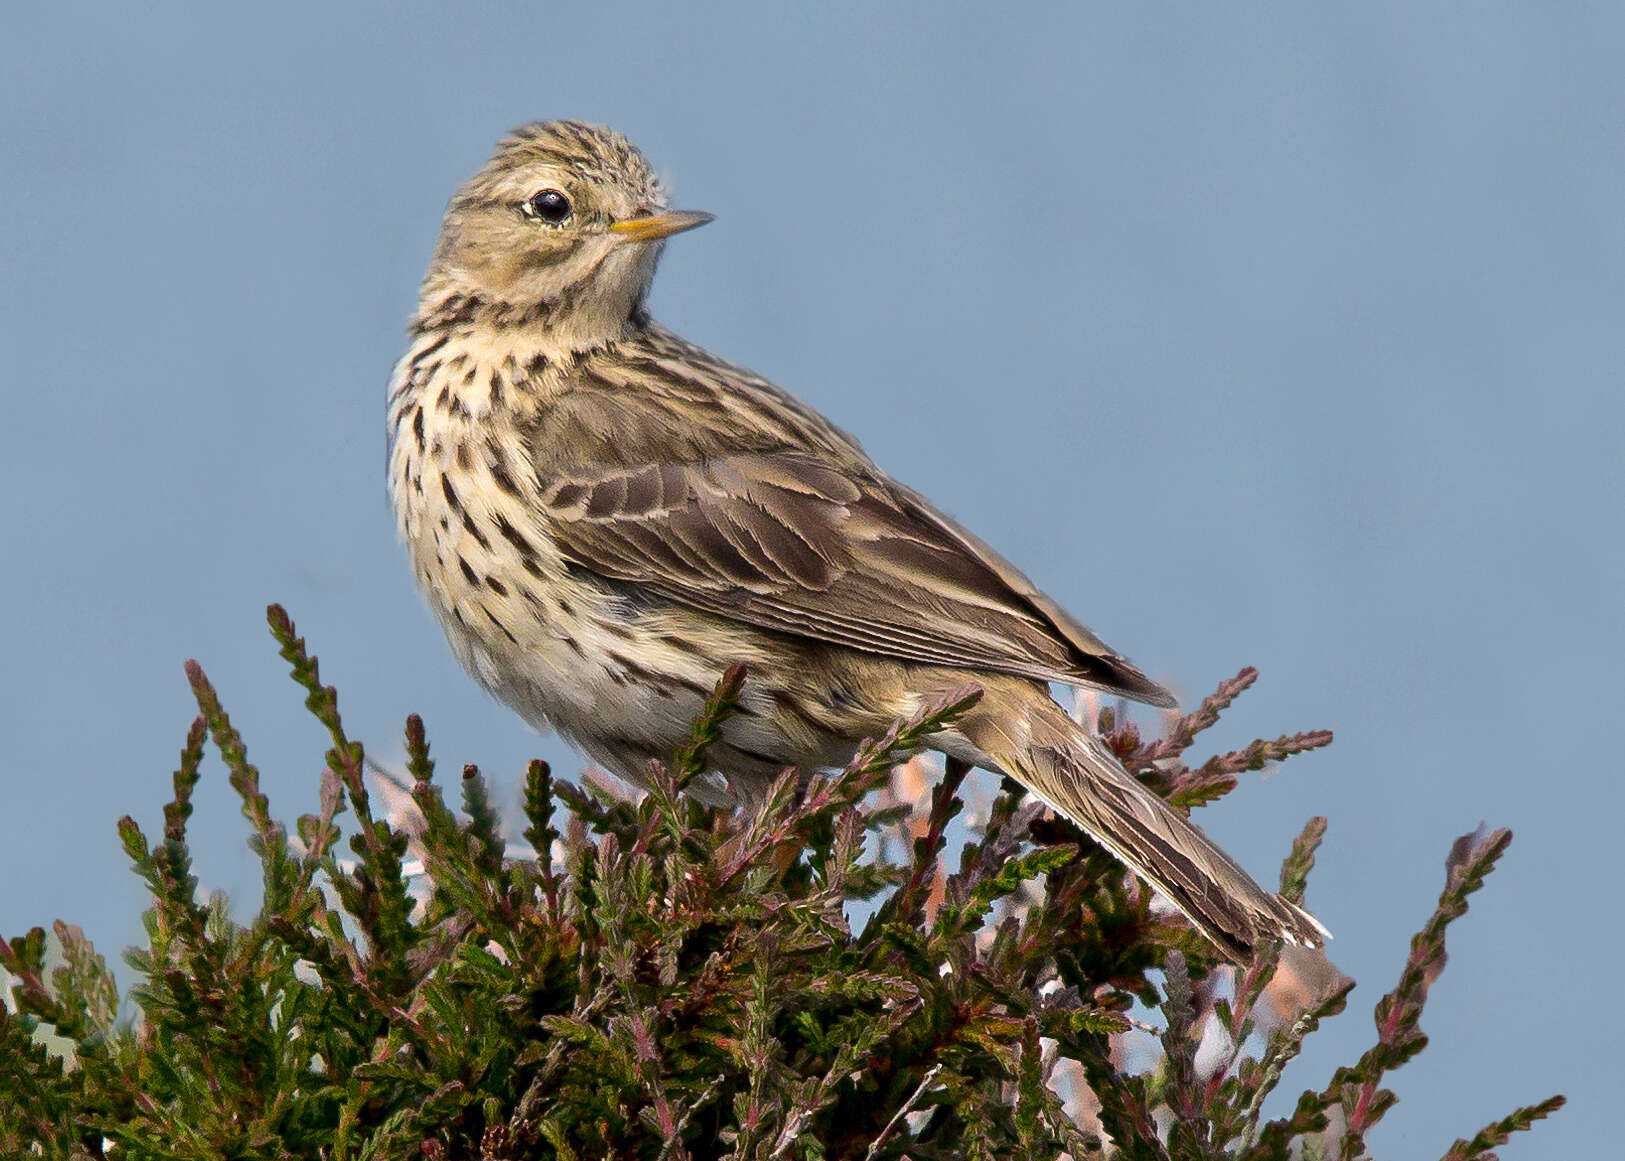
(605, 517)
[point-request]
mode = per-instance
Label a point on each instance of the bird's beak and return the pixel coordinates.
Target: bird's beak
(661, 225)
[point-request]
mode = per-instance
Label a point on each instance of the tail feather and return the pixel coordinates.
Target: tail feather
(1035, 742)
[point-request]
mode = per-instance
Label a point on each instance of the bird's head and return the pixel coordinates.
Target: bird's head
(562, 229)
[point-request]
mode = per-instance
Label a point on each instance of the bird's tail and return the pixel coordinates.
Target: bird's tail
(1032, 739)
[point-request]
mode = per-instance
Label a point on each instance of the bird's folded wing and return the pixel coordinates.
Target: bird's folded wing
(788, 542)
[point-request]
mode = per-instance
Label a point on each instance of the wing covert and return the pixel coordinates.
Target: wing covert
(786, 541)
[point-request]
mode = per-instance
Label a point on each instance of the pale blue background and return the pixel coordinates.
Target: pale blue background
(1278, 335)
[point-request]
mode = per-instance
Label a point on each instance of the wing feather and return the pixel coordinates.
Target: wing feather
(788, 541)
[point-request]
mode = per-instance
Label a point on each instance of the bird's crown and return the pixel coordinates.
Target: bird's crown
(595, 155)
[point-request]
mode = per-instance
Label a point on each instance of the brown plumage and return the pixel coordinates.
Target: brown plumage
(604, 517)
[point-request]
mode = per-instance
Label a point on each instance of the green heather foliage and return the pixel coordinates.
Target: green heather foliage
(673, 981)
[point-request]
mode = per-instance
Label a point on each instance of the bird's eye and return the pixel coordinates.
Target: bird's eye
(549, 205)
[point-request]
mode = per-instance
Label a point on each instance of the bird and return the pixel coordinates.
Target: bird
(605, 517)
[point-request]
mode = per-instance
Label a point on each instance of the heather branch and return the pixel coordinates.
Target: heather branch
(1261, 1078)
(1179, 1040)
(1237, 1103)
(908, 904)
(484, 827)
(1182, 735)
(418, 763)
(244, 777)
(1216, 777)
(346, 758)
(1125, 1112)
(1500, 1132)
(1295, 870)
(1399, 1038)
(186, 778)
(689, 762)
(464, 862)
(377, 893)
(85, 989)
(23, 959)
(540, 833)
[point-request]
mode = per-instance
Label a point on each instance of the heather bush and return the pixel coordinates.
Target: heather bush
(652, 978)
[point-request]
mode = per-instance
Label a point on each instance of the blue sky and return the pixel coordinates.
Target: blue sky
(1277, 335)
